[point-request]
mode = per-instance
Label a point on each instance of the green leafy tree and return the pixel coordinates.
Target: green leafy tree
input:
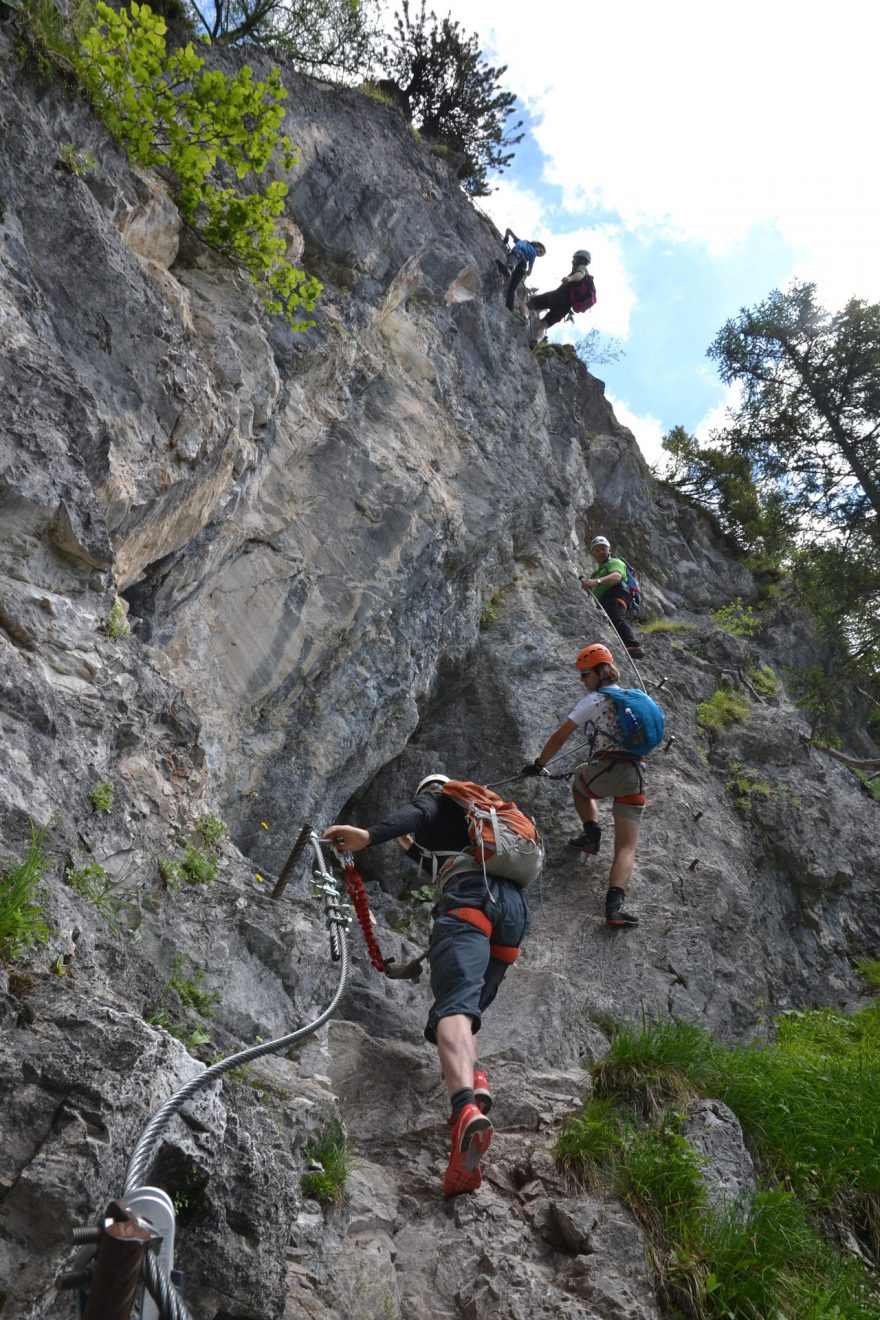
(808, 422)
(334, 39)
(444, 87)
(722, 481)
(206, 133)
(795, 475)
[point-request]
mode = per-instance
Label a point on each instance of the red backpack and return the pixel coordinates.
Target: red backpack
(583, 294)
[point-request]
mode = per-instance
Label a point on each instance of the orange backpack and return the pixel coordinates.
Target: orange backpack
(506, 842)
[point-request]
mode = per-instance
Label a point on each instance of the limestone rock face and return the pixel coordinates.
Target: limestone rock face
(348, 557)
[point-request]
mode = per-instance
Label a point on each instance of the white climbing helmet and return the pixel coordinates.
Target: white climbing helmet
(600, 540)
(583, 255)
(432, 781)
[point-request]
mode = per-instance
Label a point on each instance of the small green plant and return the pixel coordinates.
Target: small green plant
(665, 626)
(91, 881)
(870, 783)
(116, 627)
(212, 830)
(737, 619)
(22, 916)
(424, 894)
(330, 1158)
(190, 989)
(197, 865)
(723, 707)
(193, 1040)
(491, 608)
(101, 796)
(869, 970)
(201, 129)
(764, 681)
(170, 872)
(76, 160)
(744, 788)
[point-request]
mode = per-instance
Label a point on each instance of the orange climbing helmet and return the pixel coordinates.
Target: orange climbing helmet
(593, 655)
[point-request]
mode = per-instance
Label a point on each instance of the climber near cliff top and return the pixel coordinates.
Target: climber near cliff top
(520, 260)
(487, 850)
(609, 588)
(611, 771)
(576, 293)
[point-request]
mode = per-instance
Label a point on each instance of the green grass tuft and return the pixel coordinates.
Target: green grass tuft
(332, 1158)
(665, 626)
(810, 1110)
(764, 681)
(869, 970)
(22, 916)
(723, 707)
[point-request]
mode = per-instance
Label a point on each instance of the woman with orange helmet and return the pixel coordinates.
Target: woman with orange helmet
(608, 772)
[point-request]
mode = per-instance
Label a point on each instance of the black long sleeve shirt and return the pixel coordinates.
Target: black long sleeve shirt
(436, 822)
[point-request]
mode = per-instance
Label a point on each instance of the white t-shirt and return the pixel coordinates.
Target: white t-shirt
(596, 714)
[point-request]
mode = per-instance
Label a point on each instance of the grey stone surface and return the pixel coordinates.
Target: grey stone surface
(307, 530)
(715, 1133)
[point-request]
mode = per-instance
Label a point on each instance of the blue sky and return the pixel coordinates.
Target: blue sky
(705, 155)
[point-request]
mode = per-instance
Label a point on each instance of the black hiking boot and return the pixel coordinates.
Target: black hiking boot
(615, 913)
(588, 841)
(636, 651)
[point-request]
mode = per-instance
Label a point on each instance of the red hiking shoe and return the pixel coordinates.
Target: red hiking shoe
(471, 1137)
(482, 1094)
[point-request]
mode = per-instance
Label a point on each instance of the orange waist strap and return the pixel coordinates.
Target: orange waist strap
(506, 953)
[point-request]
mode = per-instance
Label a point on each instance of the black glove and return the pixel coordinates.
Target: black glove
(533, 768)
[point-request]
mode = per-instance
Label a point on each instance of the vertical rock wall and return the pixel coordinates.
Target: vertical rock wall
(347, 560)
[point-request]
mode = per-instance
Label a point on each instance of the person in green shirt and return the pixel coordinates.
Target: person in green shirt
(608, 586)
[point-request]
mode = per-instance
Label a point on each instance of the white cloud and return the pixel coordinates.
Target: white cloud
(703, 121)
(718, 417)
(648, 430)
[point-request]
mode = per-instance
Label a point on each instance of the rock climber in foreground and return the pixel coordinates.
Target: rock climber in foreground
(576, 293)
(609, 772)
(520, 260)
(480, 920)
(608, 586)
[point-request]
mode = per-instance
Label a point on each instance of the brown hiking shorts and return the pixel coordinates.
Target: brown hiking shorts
(623, 780)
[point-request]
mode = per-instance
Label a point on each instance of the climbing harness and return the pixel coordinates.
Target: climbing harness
(127, 1258)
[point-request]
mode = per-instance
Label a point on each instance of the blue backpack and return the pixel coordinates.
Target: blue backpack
(641, 719)
(633, 586)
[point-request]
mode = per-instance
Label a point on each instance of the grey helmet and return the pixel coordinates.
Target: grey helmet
(432, 781)
(583, 255)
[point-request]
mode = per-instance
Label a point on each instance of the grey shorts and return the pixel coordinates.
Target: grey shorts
(470, 953)
(622, 780)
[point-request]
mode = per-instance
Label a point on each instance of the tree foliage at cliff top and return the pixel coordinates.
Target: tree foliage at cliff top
(451, 95)
(324, 38)
(795, 476)
(205, 133)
